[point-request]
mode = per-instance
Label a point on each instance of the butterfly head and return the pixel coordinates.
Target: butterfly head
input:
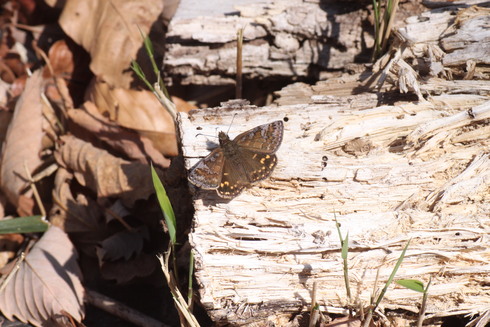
(223, 138)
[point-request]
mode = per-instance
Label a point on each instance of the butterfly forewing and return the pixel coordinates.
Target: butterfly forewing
(207, 172)
(264, 138)
(258, 166)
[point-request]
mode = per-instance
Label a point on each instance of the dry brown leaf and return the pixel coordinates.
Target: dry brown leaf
(182, 105)
(105, 174)
(23, 141)
(73, 215)
(124, 271)
(48, 281)
(67, 63)
(123, 245)
(120, 139)
(137, 110)
(61, 59)
(109, 32)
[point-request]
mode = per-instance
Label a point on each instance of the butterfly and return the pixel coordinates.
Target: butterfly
(235, 164)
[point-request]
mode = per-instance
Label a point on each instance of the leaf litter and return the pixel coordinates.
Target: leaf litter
(86, 131)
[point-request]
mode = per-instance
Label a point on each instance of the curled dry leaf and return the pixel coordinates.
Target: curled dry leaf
(67, 63)
(61, 59)
(137, 110)
(47, 282)
(109, 32)
(103, 173)
(123, 141)
(23, 142)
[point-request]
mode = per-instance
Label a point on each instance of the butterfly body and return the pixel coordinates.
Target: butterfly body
(238, 163)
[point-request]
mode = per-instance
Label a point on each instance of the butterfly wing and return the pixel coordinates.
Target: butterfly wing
(263, 139)
(207, 173)
(233, 181)
(258, 166)
(252, 167)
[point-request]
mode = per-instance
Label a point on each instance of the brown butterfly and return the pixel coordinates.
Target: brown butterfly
(238, 163)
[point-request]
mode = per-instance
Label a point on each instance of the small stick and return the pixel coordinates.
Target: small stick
(238, 89)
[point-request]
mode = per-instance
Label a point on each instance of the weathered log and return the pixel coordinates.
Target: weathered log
(388, 174)
(282, 39)
(422, 173)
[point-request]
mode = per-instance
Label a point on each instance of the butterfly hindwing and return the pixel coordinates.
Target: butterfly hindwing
(233, 181)
(264, 138)
(207, 172)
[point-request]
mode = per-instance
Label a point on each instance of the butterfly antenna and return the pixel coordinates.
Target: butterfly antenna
(232, 119)
(201, 134)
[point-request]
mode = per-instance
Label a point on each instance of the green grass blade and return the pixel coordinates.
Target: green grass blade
(392, 276)
(139, 72)
(345, 247)
(190, 293)
(377, 26)
(344, 243)
(31, 224)
(412, 284)
(151, 55)
(165, 205)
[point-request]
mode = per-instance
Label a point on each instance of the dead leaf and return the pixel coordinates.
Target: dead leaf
(23, 141)
(123, 245)
(137, 110)
(73, 215)
(48, 281)
(61, 60)
(182, 105)
(124, 271)
(103, 173)
(109, 32)
(68, 62)
(120, 139)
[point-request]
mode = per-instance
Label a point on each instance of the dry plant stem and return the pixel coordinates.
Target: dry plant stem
(423, 307)
(45, 57)
(120, 310)
(179, 300)
(34, 190)
(63, 111)
(238, 89)
(369, 317)
(12, 272)
(48, 171)
(119, 219)
(313, 311)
